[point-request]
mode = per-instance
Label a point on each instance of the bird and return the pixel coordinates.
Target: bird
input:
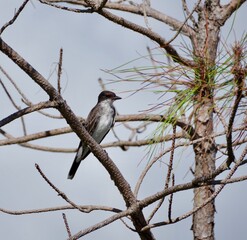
(98, 123)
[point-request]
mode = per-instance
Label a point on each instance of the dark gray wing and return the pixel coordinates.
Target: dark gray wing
(83, 150)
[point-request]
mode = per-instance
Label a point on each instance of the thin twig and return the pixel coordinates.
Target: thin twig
(185, 21)
(135, 9)
(14, 18)
(85, 208)
(15, 105)
(168, 175)
(239, 78)
(25, 99)
(188, 13)
(9, 95)
(66, 225)
(76, 10)
(170, 201)
(102, 224)
(22, 112)
(59, 72)
(63, 195)
(222, 119)
(170, 166)
(150, 34)
(228, 9)
(23, 126)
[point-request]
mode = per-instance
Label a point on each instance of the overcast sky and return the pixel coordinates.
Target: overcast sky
(91, 44)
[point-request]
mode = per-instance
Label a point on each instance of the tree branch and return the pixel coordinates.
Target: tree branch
(27, 110)
(102, 223)
(83, 208)
(15, 17)
(146, 32)
(159, 118)
(150, 34)
(66, 224)
(63, 195)
(239, 78)
(138, 9)
(228, 9)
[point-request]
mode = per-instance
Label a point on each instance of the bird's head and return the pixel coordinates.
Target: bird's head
(108, 95)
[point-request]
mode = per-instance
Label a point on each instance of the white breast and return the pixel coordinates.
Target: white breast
(105, 121)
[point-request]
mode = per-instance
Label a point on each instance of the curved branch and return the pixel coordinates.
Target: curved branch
(103, 223)
(15, 17)
(83, 208)
(239, 80)
(159, 118)
(144, 31)
(228, 9)
(27, 110)
(19, 140)
(138, 10)
(63, 195)
(148, 33)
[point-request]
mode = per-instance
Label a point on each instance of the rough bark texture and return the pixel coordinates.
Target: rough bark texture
(205, 43)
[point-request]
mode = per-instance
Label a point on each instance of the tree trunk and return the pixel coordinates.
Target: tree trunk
(205, 49)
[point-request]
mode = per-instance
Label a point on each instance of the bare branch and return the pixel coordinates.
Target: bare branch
(236, 143)
(24, 97)
(27, 110)
(11, 99)
(67, 8)
(59, 72)
(66, 224)
(239, 78)
(137, 9)
(150, 164)
(150, 34)
(102, 224)
(159, 118)
(15, 17)
(222, 119)
(228, 9)
(21, 140)
(46, 148)
(185, 21)
(139, 143)
(142, 30)
(14, 84)
(170, 201)
(168, 175)
(56, 189)
(9, 95)
(84, 208)
(188, 13)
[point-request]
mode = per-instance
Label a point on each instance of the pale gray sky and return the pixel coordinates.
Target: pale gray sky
(90, 43)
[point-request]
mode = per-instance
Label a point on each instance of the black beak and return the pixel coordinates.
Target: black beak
(116, 98)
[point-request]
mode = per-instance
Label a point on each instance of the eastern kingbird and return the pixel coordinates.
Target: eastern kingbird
(98, 123)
